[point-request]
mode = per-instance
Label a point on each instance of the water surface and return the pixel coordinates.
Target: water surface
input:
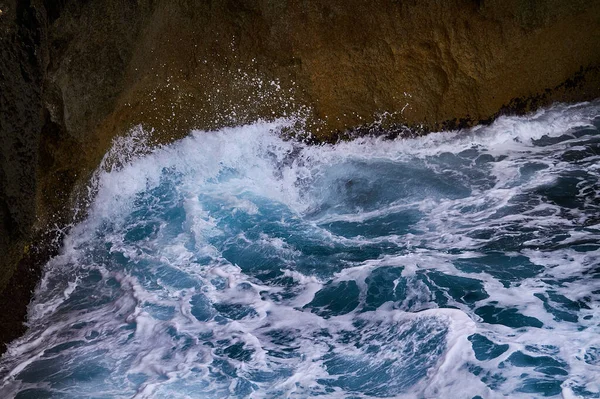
(237, 264)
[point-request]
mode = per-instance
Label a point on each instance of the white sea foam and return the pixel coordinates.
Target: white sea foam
(200, 268)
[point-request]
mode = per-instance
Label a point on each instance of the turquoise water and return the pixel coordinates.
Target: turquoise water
(236, 264)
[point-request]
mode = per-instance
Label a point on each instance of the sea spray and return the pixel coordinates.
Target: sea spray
(238, 264)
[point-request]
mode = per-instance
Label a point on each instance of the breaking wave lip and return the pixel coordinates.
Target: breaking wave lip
(188, 155)
(155, 266)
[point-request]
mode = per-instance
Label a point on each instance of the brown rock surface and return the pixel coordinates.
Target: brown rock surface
(74, 74)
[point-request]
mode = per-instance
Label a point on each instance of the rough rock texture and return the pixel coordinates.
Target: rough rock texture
(22, 65)
(74, 74)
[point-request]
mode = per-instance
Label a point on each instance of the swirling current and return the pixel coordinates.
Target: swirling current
(461, 264)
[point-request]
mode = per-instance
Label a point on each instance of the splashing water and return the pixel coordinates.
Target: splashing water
(237, 264)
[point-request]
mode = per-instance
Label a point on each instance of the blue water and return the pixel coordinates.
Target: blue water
(236, 264)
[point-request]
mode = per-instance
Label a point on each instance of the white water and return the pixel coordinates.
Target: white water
(234, 263)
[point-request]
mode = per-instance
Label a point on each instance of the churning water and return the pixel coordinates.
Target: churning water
(237, 264)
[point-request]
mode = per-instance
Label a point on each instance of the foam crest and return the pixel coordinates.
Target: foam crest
(238, 264)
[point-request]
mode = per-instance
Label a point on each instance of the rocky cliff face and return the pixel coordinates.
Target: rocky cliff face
(74, 74)
(22, 65)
